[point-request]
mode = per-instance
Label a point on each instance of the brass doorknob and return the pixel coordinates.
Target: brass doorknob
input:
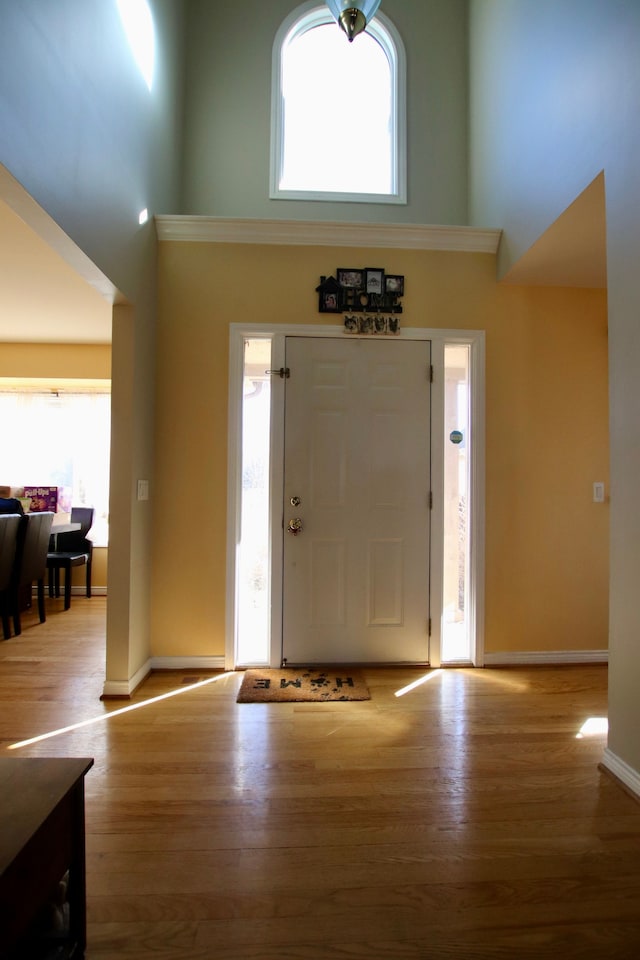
(294, 526)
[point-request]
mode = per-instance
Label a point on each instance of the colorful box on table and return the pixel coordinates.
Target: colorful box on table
(42, 498)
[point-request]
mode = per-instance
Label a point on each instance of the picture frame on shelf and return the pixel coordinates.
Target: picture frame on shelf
(394, 284)
(361, 290)
(374, 280)
(329, 302)
(350, 278)
(329, 295)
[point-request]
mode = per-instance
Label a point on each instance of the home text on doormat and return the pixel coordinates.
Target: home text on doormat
(289, 685)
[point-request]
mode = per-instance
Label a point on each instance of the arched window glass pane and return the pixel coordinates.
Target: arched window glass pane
(338, 111)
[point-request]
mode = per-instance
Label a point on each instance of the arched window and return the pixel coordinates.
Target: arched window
(338, 111)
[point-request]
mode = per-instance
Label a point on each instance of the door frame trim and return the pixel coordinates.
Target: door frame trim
(277, 333)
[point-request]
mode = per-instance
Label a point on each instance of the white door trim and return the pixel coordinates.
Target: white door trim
(277, 334)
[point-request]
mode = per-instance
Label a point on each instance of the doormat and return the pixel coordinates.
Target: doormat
(287, 686)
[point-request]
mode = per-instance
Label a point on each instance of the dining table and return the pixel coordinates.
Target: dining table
(61, 524)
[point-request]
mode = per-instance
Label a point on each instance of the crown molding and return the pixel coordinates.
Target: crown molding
(192, 229)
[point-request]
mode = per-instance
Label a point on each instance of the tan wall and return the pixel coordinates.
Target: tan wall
(546, 542)
(98, 569)
(48, 360)
(65, 361)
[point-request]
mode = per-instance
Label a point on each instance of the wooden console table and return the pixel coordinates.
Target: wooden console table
(41, 840)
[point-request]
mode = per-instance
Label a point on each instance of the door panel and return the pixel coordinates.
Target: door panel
(385, 583)
(357, 432)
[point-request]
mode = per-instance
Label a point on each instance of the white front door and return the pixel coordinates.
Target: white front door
(356, 481)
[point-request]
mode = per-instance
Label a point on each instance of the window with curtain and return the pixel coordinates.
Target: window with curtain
(338, 108)
(61, 439)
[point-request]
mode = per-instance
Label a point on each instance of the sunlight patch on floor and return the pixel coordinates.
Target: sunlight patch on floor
(504, 678)
(593, 727)
(416, 683)
(116, 713)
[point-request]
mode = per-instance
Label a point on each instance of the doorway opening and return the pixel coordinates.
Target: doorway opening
(256, 485)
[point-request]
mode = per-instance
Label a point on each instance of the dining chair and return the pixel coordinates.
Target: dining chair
(72, 549)
(30, 563)
(9, 524)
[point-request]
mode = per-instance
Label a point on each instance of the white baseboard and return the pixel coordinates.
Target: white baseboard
(526, 657)
(124, 688)
(79, 591)
(622, 771)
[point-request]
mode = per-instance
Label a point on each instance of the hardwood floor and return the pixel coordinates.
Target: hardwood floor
(463, 819)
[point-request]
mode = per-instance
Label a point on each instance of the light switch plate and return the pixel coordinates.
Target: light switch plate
(598, 492)
(143, 489)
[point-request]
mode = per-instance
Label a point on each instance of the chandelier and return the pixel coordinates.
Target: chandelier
(352, 17)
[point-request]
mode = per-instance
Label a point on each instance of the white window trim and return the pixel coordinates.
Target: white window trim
(277, 334)
(309, 15)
